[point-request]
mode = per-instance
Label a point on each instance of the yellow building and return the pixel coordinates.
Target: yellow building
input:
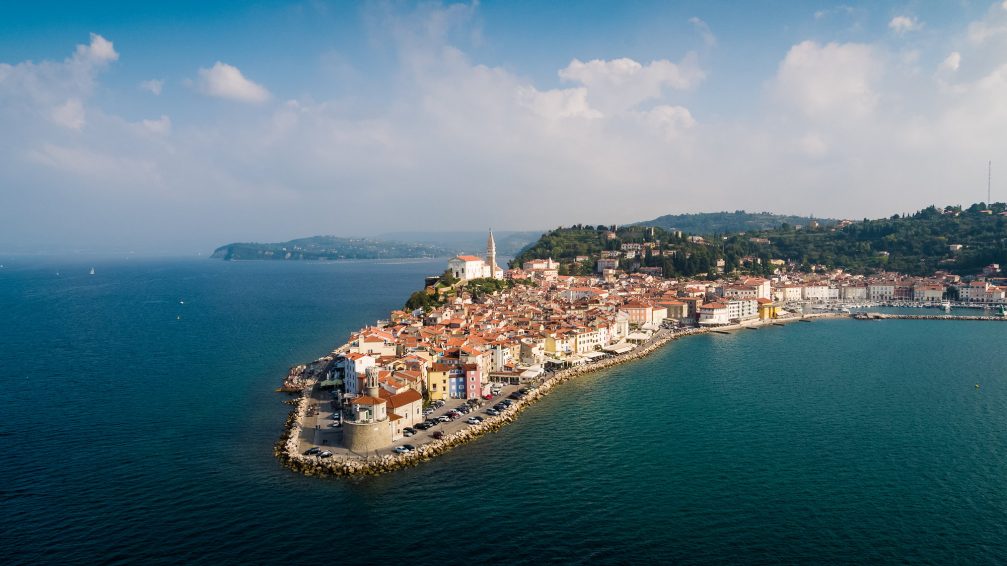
(437, 382)
(767, 309)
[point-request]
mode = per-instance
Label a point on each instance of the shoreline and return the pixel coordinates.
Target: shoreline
(287, 448)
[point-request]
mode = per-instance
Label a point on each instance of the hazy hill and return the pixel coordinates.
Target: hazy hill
(327, 248)
(706, 223)
(509, 242)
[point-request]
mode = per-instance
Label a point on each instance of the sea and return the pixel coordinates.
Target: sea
(139, 416)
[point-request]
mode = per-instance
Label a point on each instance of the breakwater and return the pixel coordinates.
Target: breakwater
(287, 449)
(887, 316)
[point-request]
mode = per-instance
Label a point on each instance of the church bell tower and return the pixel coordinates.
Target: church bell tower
(491, 255)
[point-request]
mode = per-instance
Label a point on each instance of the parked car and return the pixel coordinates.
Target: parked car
(312, 451)
(444, 419)
(325, 454)
(408, 431)
(474, 420)
(409, 447)
(399, 450)
(439, 403)
(423, 426)
(492, 412)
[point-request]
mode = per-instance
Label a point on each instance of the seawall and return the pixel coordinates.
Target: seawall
(288, 453)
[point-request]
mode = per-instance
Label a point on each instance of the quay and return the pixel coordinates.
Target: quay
(300, 431)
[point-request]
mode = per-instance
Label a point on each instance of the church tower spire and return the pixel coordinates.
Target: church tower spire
(491, 255)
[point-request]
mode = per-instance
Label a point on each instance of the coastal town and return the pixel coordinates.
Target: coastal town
(494, 336)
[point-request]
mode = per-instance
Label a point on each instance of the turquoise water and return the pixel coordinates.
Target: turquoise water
(130, 435)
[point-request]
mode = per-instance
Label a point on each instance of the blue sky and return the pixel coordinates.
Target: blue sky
(178, 126)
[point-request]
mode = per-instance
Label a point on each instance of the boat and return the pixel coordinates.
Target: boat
(92, 271)
(947, 306)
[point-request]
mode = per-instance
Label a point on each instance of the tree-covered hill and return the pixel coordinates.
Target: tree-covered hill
(920, 243)
(708, 223)
(327, 248)
(674, 253)
(953, 239)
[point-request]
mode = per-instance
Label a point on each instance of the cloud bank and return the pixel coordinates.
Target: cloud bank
(837, 128)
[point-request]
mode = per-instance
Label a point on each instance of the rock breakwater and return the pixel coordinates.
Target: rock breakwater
(287, 449)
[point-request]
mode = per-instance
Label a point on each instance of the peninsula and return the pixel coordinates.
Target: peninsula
(481, 342)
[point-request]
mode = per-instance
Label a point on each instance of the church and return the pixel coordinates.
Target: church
(466, 267)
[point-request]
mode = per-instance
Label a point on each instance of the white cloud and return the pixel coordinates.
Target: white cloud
(813, 145)
(99, 51)
(558, 103)
(840, 129)
(952, 62)
(226, 81)
(704, 31)
(70, 114)
(823, 80)
(671, 121)
(617, 85)
(903, 24)
(160, 126)
(152, 86)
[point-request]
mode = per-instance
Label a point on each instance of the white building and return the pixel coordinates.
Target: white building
(883, 291)
(854, 293)
(815, 293)
(713, 313)
(468, 267)
(762, 286)
(742, 309)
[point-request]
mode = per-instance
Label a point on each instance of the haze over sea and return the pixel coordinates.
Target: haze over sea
(139, 417)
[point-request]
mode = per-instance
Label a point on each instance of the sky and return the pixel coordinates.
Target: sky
(176, 127)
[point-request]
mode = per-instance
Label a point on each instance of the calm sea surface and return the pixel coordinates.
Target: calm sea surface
(139, 416)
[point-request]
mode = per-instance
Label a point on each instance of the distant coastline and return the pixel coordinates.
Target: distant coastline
(328, 248)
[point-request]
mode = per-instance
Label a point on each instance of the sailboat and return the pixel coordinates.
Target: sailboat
(947, 306)
(92, 271)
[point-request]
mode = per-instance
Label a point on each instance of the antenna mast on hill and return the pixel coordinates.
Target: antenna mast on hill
(989, 179)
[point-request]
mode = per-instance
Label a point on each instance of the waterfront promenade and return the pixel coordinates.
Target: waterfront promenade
(308, 425)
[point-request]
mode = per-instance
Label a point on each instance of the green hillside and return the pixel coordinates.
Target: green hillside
(674, 253)
(917, 244)
(707, 223)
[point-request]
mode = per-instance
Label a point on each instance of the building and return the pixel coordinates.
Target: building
(606, 263)
(468, 267)
(713, 314)
(928, 293)
(739, 310)
(367, 425)
(881, 291)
